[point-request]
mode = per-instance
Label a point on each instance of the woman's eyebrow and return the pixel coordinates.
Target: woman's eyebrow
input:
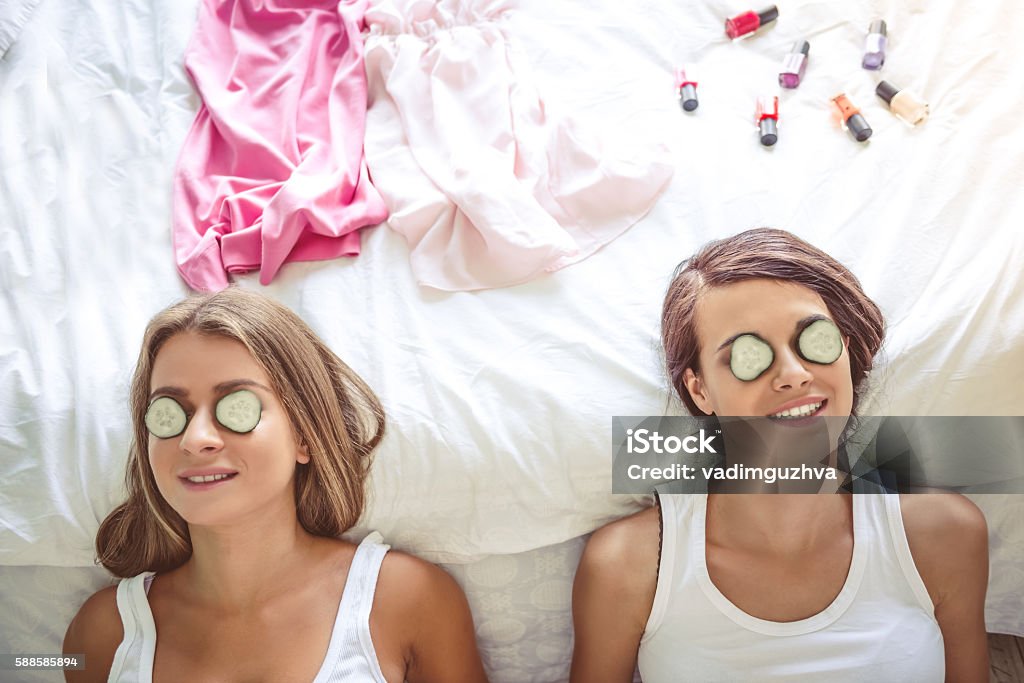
(235, 383)
(801, 324)
(733, 338)
(168, 391)
(223, 386)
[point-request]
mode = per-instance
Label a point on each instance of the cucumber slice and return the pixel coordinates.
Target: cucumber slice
(165, 418)
(749, 357)
(240, 411)
(821, 342)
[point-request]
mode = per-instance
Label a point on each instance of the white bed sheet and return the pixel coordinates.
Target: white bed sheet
(500, 401)
(14, 14)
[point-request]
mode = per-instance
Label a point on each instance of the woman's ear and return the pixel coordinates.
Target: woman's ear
(698, 392)
(303, 455)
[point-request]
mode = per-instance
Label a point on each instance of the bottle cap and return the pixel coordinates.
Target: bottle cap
(688, 97)
(859, 128)
(769, 130)
(878, 26)
(886, 91)
(768, 15)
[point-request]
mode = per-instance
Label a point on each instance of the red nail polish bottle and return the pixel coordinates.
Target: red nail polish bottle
(686, 85)
(748, 22)
(767, 119)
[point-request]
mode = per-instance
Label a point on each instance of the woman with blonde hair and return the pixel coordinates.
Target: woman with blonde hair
(252, 443)
(780, 587)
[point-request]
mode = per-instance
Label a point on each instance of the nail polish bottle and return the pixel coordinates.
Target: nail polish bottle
(748, 22)
(851, 118)
(907, 106)
(687, 87)
(767, 119)
(794, 65)
(874, 46)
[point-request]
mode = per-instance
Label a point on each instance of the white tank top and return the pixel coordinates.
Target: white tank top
(881, 626)
(350, 655)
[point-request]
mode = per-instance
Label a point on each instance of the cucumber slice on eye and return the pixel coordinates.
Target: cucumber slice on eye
(821, 342)
(749, 357)
(165, 418)
(240, 411)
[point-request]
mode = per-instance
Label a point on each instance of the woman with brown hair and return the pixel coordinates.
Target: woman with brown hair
(780, 587)
(252, 442)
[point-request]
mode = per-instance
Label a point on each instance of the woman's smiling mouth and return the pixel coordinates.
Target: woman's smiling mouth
(201, 481)
(800, 411)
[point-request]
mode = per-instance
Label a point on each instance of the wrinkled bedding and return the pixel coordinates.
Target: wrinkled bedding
(497, 457)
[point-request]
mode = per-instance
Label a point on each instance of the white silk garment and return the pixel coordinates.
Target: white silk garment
(881, 627)
(486, 183)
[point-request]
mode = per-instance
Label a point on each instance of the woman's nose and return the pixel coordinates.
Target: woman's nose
(201, 435)
(791, 372)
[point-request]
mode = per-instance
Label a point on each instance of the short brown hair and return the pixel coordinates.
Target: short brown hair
(770, 254)
(333, 412)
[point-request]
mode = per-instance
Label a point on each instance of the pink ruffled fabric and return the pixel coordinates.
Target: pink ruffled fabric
(272, 169)
(488, 185)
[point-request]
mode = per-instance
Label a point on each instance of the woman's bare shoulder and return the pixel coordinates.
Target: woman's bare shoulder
(423, 622)
(612, 596)
(409, 584)
(941, 519)
(625, 538)
(948, 539)
(96, 632)
(621, 559)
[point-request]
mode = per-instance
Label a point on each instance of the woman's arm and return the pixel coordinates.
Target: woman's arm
(421, 607)
(96, 632)
(948, 539)
(612, 597)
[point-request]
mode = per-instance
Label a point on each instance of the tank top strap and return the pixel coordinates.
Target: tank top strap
(362, 577)
(351, 654)
(886, 509)
(675, 511)
(133, 660)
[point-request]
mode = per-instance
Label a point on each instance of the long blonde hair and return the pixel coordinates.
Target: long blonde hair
(333, 412)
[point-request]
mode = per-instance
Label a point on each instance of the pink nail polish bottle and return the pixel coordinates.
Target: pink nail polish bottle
(794, 65)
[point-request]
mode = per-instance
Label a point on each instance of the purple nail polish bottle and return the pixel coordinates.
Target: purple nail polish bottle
(874, 46)
(794, 65)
